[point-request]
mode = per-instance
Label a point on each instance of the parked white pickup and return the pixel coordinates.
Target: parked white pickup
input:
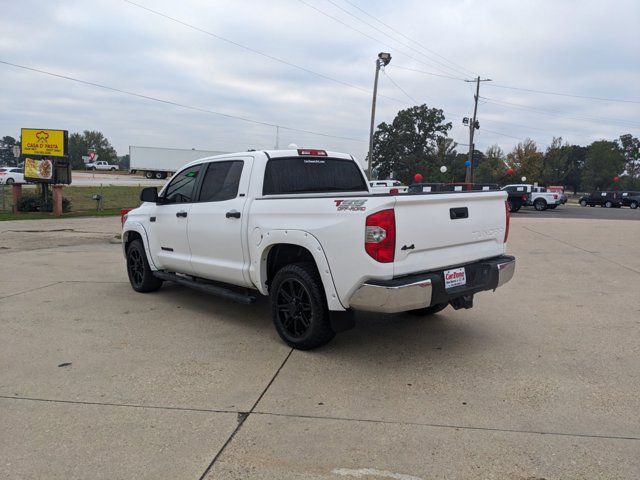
(539, 197)
(303, 227)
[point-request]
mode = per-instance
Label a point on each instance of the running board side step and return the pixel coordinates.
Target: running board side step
(211, 288)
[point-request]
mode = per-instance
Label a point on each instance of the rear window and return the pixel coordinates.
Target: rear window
(312, 175)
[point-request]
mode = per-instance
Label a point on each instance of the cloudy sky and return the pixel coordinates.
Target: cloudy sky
(309, 65)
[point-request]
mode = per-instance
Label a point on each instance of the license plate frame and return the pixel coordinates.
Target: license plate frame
(455, 277)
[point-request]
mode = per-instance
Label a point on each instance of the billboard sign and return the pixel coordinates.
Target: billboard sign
(45, 142)
(38, 170)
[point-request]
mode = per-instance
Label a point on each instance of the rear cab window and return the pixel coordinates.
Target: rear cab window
(295, 175)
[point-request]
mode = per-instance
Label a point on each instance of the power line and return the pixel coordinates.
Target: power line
(377, 40)
(415, 102)
(254, 51)
(404, 36)
(546, 92)
(518, 106)
(394, 38)
(523, 89)
(176, 104)
(429, 73)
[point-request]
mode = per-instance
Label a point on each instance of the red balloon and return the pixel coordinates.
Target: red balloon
(417, 178)
(510, 171)
(616, 179)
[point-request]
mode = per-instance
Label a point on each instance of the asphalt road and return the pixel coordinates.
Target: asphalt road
(88, 179)
(539, 380)
(576, 211)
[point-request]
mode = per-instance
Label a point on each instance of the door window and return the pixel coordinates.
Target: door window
(221, 181)
(181, 188)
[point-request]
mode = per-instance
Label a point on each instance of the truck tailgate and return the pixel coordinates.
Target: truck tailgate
(440, 230)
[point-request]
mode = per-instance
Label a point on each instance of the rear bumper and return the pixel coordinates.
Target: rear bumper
(424, 289)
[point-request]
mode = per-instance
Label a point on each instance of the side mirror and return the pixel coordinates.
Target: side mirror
(149, 194)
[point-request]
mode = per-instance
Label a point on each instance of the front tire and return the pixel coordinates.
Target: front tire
(608, 205)
(298, 307)
(140, 274)
(421, 312)
(583, 203)
(540, 205)
(10, 181)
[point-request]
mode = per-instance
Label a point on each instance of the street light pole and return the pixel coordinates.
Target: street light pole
(382, 60)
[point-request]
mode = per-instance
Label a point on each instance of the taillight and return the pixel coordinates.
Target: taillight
(555, 197)
(394, 191)
(380, 236)
(507, 221)
(123, 215)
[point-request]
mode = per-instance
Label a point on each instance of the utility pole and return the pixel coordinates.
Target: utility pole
(382, 61)
(277, 137)
(473, 125)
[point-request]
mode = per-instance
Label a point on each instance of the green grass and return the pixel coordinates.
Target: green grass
(113, 199)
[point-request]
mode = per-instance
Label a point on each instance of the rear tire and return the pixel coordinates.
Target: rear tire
(633, 205)
(422, 312)
(298, 307)
(540, 205)
(148, 175)
(159, 175)
(608, 205)
(10, 181)
(140, 274)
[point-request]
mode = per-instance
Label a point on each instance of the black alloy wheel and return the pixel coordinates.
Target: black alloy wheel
(294, 307)
(298, 307)
(140, 274)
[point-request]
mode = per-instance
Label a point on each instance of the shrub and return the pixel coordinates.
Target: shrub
(32, 202)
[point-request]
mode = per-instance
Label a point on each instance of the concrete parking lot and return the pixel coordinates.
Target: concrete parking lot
(539, 381)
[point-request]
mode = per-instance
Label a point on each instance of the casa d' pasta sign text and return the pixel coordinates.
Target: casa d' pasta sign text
(41, 141)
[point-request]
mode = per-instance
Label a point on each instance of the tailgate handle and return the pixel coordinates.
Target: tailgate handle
(456, 213)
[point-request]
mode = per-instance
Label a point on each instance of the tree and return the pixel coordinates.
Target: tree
(577, 157)
(604, 161)
(492, 168)
(557, 165)
(411, 145)
(79, 145)
(6, 150)
(526, 160)
(631, 151)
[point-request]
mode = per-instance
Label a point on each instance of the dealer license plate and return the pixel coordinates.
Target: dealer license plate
(455, 277)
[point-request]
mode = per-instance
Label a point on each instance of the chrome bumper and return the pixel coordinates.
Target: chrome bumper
(422, 290)
(391, 299)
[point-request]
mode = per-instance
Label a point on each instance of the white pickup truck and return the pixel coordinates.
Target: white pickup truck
(101, 165)
(539, 197)
(302, 227)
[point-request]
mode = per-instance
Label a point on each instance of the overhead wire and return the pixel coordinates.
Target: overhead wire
(395, 39)
(255, 51)
(408, 38)
(415, 102)
(177, 104)
(377, 40)
(556, 113)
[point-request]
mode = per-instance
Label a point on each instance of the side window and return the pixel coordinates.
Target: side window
(221, 181)
(180, 190)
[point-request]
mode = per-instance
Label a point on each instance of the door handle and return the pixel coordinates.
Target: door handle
(233, 214)
(181, 213)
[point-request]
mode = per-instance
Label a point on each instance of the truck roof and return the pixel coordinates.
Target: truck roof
(279, 154)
